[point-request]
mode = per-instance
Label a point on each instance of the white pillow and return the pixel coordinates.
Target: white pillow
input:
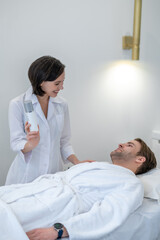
(151, 183)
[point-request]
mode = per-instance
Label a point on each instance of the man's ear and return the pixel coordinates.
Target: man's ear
(140, 159)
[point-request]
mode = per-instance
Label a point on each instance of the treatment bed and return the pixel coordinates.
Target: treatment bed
(143, 223)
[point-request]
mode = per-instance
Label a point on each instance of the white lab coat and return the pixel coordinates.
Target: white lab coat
(90, 199)
(54, 139)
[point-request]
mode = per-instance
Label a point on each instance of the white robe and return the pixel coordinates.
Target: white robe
(90, 199)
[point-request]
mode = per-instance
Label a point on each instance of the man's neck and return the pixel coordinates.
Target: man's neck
(128, 165)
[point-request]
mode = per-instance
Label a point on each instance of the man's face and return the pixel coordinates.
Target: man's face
(126, 151)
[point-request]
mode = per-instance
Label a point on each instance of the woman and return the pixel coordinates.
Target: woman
(40, 152)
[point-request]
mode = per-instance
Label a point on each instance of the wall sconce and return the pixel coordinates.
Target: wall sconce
(129, 42)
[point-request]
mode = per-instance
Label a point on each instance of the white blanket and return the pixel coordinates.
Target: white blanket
(10, 227)
(90, 199)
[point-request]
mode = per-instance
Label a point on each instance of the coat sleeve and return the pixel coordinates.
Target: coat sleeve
(107, 215)
(65, 141)
(16, 125)
(17, 133)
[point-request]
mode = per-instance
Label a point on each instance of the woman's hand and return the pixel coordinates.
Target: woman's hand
(73, 159)
(86, 161)
(33, 138)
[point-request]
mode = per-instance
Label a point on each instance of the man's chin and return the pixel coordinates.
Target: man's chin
(116, 154)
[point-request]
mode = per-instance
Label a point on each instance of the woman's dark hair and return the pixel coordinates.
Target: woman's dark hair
(44, 69)
(146, 152)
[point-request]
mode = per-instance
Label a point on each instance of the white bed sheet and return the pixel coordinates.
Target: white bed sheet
(144, 223)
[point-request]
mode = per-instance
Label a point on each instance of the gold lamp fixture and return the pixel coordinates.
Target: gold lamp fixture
(129, 42)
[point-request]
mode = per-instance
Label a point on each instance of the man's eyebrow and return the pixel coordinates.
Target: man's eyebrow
(131, 143)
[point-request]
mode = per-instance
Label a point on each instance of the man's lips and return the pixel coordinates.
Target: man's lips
(118, 150)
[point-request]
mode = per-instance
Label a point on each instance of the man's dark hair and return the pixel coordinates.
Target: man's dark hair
(44, 69)
(146, 152)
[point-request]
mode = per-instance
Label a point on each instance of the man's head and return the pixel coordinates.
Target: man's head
(135, 155)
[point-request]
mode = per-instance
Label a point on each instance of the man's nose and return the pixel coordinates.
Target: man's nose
(120, 145)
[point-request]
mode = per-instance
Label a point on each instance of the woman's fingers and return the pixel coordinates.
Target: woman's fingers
(33, 138)
(32, 135)
(27, 127)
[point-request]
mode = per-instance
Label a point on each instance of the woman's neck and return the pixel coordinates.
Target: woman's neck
(43, 100)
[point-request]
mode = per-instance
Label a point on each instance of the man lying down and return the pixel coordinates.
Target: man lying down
(88, 201)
